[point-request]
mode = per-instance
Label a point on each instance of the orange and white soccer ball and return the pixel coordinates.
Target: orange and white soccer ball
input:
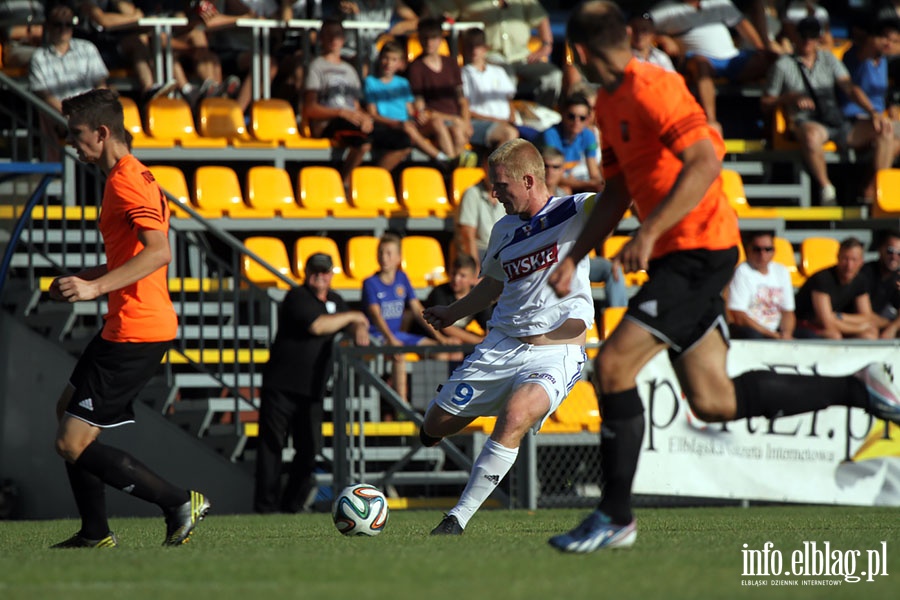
(360, 509)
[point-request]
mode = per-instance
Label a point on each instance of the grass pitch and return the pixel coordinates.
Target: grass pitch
(680, 553)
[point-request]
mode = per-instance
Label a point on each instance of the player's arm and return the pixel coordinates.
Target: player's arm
(479, 298)
(742, 319)
(604, 217)
(700, 168)
(153, 256)
(788, 324)
(418, 310)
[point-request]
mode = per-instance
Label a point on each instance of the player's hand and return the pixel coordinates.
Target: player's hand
(561, 278)
(634, 255)
(54, 292)
(438, 317)
(74, 289)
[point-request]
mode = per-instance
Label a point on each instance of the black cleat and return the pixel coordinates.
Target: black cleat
(79, 541)
(448, 526)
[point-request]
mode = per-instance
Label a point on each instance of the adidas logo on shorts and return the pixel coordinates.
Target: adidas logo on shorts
(87, 404)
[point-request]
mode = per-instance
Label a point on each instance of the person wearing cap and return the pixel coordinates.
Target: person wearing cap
(803, 86)
(293, 387)
(643, 42)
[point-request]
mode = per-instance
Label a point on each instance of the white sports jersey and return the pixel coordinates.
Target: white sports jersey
(523, 254)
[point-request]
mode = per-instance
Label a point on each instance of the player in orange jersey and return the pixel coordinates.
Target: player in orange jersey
(660, 152)
(138, 329)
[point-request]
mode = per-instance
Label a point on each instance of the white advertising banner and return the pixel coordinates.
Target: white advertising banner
(834, 456)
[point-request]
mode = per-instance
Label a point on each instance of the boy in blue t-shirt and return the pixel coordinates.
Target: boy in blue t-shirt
(389, 100)
(386, 295)
(575, 139)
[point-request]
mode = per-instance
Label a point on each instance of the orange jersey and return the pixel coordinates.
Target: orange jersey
(645, 124)
(132, 201)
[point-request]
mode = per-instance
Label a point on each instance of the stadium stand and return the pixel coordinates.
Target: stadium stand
(784, 254)
(463, 178)
(321, 192)
(270, 193)
(217, 193)
(134, 125)
(372, 192)
(887, 193)
(172, 180)
(272, 251)
(611, 318)
(817, 253)
(223, 118)
(611, 247)
(362, 256)
(274, 120)
(423, 192)
(306, 246)
(423, 261)
(171, 119)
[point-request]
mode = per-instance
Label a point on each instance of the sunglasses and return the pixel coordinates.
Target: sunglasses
(62, 24)
(893, 251)
(573, 117)
(549, 166)
(762, 248)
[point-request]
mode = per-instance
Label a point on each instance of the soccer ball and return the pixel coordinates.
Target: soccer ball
(360, 509)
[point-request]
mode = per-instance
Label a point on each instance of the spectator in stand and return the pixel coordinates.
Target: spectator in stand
(442, 109)
(761, 295)
(364, 10)
(389, 101)
(463, 277)
(643, 42)
(21, 30)
(478, 211)
(698, 33)
(332, 109)
(508, 25)
(803, 86)
(489, 91)
(206, 78)
(797, 10)
(883, 280)
(386, 295)
(867, 64)
(602, 270)
(574, 137)
(834, 303)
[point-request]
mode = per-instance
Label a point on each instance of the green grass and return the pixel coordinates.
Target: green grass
(680, 553)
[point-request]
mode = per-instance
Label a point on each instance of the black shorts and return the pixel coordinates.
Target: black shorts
(682, 300)
(388, 138)
(109, 376)
(344, 133)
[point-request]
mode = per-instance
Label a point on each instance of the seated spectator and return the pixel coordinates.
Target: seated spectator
(643, 42)
(463, 277)
(803, 87)
(701, 39)
(478, 211)
(761, 295)
(578, 143)
(797, 10)
(508, 25)
(364, 10)
(332, 109)
(834, 303)
(386, 295)
(206, 79)
(389, 101)
(602, 271)
(21, 30)
(489, 91)
(442, 109)
(883, 280)
(867, 64)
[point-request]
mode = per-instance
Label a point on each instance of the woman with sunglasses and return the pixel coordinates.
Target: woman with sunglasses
(574, 137)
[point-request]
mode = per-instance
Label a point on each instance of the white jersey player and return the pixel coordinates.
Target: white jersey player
(534, 351)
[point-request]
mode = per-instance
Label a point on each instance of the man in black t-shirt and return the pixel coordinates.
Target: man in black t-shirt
(463, 277)
(294, 380)
(883, 281)
(834, 303)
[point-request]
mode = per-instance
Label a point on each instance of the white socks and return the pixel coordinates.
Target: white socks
(489, 469)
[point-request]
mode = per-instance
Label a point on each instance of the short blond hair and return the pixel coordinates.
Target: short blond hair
(519, 157)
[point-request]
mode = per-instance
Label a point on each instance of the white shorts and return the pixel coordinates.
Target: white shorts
(500, 364)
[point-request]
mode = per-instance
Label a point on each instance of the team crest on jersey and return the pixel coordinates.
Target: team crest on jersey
(400, 291)
(623, 129)
(523, 266)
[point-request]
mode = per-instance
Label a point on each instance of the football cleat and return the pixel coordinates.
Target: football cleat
(181, 521)
(884, 398)
(595, 532)
(79, 541)
(448, 526)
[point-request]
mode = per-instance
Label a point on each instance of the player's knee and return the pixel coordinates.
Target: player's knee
(712, 411)
(69, 449)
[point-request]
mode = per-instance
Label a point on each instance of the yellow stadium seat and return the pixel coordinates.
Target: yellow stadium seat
(733, 186)
(414, 47)
(320, 190)
(887, 193)
(133, 124)
(172, 180)
(784, 254)
(781, 138)
(424, 193)
(306, 246)
(223, 118)
(593, 337)
(362, 256)
(612, 316)
(463, 179)
(217, 193)
(423, 261)
(580, 408)
(272, 251)
(817, 253)
(171, 119)
(270, 193)
(274, 120)
(372, 192)
(611, 247)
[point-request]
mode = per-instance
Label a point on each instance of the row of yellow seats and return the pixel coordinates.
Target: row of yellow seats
(220, 123)
(269, 192)
(423, 260)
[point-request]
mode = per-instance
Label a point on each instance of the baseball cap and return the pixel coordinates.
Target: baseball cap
(319, 263)
(809, 28)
